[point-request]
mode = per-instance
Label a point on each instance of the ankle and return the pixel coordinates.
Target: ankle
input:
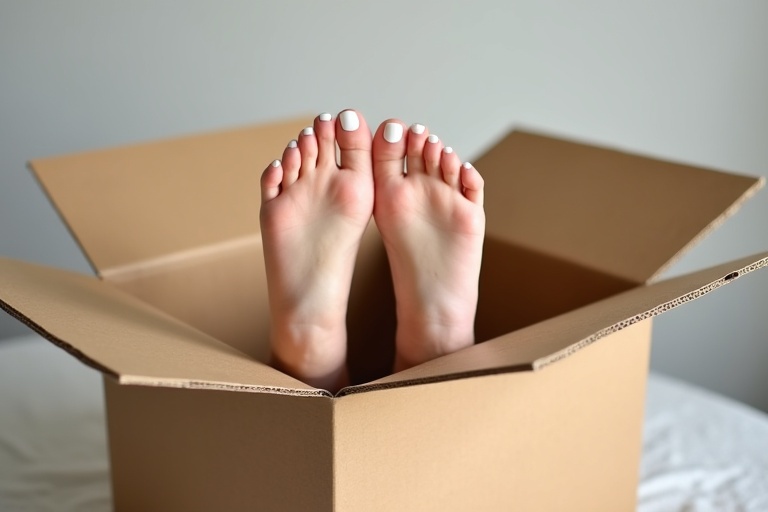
(336, 378)
(312, 353)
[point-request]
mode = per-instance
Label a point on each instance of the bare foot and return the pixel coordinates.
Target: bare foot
(313, 214)
(433, 224)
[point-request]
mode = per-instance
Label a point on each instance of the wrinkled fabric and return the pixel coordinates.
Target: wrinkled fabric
(53, 445)
(701, 452)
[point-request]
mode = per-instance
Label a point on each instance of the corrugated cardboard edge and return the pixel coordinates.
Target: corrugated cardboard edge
(661, 308)
(130, 380)
(571, 349)
(70, 349)
(727, 214)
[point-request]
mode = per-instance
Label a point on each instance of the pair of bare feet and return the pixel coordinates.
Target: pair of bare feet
(314, 211)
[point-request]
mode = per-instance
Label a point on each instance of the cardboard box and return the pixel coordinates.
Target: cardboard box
(545, 415)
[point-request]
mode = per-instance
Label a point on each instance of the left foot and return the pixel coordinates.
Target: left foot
(433, 224)
(313, 215)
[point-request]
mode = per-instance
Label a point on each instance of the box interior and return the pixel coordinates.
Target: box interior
(175, 224)
(222, 294)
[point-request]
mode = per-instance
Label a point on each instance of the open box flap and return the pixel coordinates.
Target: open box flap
(539, 345)
(124, 337)
(163, 200)
(625, 215)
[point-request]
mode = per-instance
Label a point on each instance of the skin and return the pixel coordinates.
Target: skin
(313, 215)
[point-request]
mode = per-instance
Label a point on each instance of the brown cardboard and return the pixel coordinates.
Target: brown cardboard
(193, 450)
(138, 344)
(157, 200)
(380, 451)
(516, 441)
(626, 215)
(544, 414)
(169, 213)
(128, 339)
(542, 344)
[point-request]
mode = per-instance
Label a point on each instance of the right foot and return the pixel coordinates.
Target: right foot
(313, 215)
(433, 224)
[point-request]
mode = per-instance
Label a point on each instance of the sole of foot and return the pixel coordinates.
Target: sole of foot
(429, 211)
(314, 210)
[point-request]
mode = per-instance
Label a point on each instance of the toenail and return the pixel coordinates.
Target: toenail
(292, 144)
(308, 131)
(276, 163)
(417, 128)
(393, 132)
(466, 165)
(325, 116)
(448, 150)
(433, 138)
(349, 120)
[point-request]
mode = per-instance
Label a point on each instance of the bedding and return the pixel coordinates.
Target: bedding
(701, 451)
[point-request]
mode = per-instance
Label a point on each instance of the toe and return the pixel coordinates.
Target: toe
(389, 149)
(325, 132)
(308, 150)
(450, 164)
(354, 139)
(432, 155)
(270, 181)
(291, 163)
(472, 183)
(417, 137)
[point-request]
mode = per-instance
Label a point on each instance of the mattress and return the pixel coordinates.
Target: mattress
(701, 451)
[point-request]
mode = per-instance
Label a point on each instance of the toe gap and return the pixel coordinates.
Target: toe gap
(337, 153)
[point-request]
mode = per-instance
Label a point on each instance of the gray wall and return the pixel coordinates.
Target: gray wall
(685, 80)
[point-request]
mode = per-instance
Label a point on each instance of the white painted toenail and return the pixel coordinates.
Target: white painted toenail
(417, 128)
(325, 116)
(308, 131)
(292, 144)
(466, 165)
(433, 138)
(393, 132)
(349, 120)
(276, 163)
(447, 150)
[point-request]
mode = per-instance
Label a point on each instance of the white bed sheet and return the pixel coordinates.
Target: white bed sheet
(702, 452)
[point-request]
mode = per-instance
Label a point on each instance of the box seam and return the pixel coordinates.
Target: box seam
(60, 214)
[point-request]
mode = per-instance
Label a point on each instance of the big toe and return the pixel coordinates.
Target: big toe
(389, 145)
(472, 183)
(354, 139)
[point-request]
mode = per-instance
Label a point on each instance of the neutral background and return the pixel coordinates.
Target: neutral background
(685, 80)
